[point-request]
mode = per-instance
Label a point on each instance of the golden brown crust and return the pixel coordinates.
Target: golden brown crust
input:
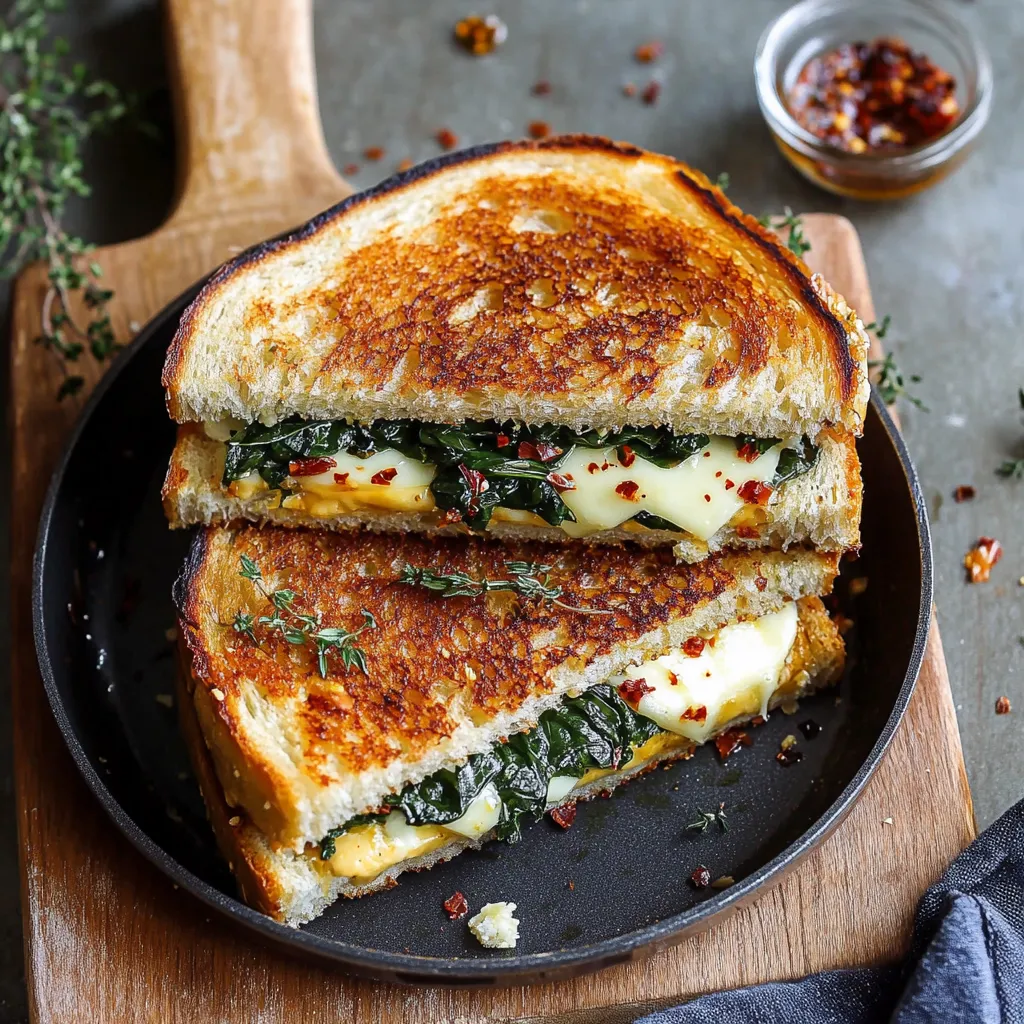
(612, 298)
(432, 661)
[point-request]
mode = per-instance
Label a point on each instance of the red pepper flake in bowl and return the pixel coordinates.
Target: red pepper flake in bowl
(1003, 706)
(963, 493)
(980, 559)
(880, 95)
(456, 905)
(480, 35)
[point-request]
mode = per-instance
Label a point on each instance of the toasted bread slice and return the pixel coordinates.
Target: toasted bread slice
(820, 508)
(573, 281)
(445, 676)
(296, 887)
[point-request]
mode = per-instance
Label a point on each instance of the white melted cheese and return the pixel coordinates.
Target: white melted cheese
(745, 656)
(481, 816)
(360, 472)
(700, 495)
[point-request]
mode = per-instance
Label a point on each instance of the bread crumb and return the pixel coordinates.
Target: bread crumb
(234, 821)
(495, 927)
(217, 694)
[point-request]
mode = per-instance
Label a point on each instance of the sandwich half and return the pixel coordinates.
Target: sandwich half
(549, 340)
(459, 718)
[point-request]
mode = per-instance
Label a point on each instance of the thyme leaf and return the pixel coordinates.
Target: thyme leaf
(300, 628)
(723, 181)
(529, 579)
(881, 328)
(891, 383)
(48, 111)
(1014, 468)
(795, 240)
(706, 818)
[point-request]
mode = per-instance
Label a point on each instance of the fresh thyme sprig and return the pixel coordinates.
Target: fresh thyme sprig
(706, 818)
(47, 112)
(723, 181)
(1014, 468)
(529, 579)
(880, 327)
(795, 241)
(299, 628)
(891, 383)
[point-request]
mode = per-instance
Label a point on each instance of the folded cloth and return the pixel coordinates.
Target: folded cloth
(966, 963)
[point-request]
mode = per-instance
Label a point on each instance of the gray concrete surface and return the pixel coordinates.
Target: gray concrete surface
(946, 265)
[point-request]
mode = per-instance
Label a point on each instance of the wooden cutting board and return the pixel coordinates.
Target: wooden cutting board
(107, 937)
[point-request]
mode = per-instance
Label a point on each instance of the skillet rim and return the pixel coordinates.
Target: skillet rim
(405, 968)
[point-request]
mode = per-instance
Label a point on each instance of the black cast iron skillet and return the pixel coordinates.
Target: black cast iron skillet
(104, 566)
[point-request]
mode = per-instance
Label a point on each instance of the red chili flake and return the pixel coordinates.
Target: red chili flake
(628, 489)
(963, 493)
(647, 53)
(627, 456)
(629, 89)
(651, 92)
(694, 646)
(757, 720)
(456, 905)
(561, 481)
(404, 165)
(673, 679)
(593, 468)
(707, 455)
(477, 485)
(349, 169)
(373, 152)
(748, 452)
(503, 440)
(446, 138)
(340, 479)
(789, 757)
(1003, 706)
(452, 515)
(311, 467)
(695, 714)
(538, 129)
(480, 35)
(701, 877)
(539, 452)
(755, 493)
(879, 95)
(632, 690)
(572, 885)
(748, 532)
(760, 582)
(564, 815)
(729, 742)
(384, 477)
(541, 88)
(707, 497)
(980, 560)
(718, 474)
(729, 485)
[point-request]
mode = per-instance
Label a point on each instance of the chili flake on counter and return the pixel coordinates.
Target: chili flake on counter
(980, 559)
(874, 96)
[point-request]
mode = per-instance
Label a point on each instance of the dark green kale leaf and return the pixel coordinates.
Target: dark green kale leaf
(598, 729)
(653, 522)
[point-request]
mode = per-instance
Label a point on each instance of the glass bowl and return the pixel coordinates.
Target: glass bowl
(814, 27)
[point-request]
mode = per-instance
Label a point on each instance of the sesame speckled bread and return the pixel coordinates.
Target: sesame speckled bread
(296, 887)
(820, 508)
(573, 281)
(447, 677)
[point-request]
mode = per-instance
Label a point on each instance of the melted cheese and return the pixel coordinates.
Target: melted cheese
(733, 676)
(700, 495)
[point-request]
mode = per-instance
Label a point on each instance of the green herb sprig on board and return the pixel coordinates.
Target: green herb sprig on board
(706, 818)
(891, 383)
(795, 240)
(49, 107)
(528, 579)
(300, 628)
(1014, 468)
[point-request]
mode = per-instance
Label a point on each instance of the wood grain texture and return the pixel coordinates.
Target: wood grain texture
(110, 939)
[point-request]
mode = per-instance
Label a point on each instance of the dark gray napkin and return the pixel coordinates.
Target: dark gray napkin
(966, 964)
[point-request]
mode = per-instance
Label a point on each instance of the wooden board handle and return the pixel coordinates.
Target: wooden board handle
(246, 106)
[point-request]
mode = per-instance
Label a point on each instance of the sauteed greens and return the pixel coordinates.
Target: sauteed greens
(597, 729)
(480, 465)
